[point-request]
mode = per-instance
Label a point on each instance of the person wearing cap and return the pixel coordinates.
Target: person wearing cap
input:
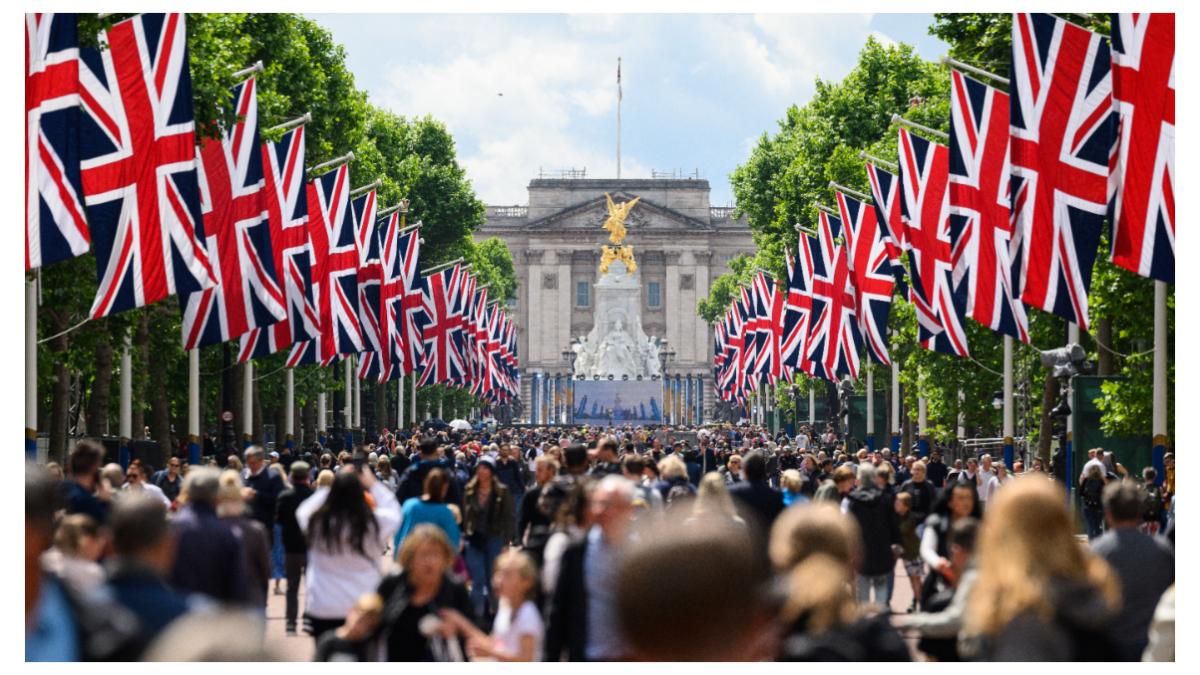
(488, 526)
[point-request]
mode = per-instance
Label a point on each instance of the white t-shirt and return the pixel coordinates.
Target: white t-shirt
(509, 627)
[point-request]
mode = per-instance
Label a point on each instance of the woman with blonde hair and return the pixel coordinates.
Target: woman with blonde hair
(816, 548)
(325, 478)
(1041, 595)
(256, 541)
(423, 585)
(713, 503)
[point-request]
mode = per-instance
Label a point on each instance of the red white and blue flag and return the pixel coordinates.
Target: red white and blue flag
(138, 164)
(332, 232)
(1062, 139)
(870, 274)
(55, 217)
(400, 251)
(798, 311)
(834, 338)
(1143, 195)
(442, 363)
(237, 235)
(980, 206)
(287, 214)
(370, 276)
(925, 210)
(885, 193)
(764, 351)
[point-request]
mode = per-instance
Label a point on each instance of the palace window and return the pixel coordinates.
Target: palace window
(654, 295)
(581, 294)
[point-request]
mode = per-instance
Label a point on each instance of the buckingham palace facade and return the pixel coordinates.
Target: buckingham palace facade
(680, 241)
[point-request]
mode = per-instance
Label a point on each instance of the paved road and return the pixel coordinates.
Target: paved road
(300, 647)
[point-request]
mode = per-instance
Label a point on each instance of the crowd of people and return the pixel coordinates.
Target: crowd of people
(716, 543)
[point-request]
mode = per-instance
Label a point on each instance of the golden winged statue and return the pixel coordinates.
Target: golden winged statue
(616, 218)
(622, 253)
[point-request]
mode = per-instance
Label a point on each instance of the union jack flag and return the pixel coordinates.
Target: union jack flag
(980, 211)
(870, 277)
(1143, 197)
(55, 222)
(885, 193)
(138, 149)
(778, 305)
(332, 233)
(750, 330)
(834, 339)
(370, 272)
(1062, 127)
(743, 345)
(442, 362)
(287, 214)
(481, 384)
(764, 351)
(925, 208)
(237, 235)
(464, 337)
(798, 311)
(400, 252)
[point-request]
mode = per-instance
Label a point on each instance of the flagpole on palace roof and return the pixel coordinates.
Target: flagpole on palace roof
(618, 117)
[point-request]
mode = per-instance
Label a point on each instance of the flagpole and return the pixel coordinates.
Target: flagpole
(125, 417)
(357, 400)
(289, 416)
(1008, 426)
(812, 408)
(1072, 338)
(292, 124)
(895, 405)
(618, 117)
(247, 404)
(870, 408)
(399, 404)
(1159, 417)
(920, 127)
(881, 162)
(31, 395)
(194, 407)
(348, 408)
(321, 419)
(412, 403)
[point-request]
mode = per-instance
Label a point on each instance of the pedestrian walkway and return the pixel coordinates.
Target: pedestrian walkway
(297, 647)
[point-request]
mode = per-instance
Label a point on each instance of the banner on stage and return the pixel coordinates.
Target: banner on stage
(621, 402)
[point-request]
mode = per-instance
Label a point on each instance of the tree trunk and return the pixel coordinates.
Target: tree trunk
(1046, 432)
(60, 407)
(98, 403)
(1104, 336)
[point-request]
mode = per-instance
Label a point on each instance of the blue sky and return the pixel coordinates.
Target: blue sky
(699, 89)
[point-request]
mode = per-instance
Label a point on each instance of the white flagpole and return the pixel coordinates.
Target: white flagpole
(247, 404)
(1159, 410)
(870, 408)
(31, 395)
(812, 409)
(400, 404)
(922, 419)
(357, 401)
(1008, 425)
(194, 406)
(412, 403)
(289, 416)
(895, 405)
(321, 417)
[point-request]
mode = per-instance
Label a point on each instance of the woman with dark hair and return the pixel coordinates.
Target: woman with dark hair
(430, 507)
(346, 538)
(488, 526)
(958, 501)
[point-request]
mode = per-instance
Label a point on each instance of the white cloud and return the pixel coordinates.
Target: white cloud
(884, 39)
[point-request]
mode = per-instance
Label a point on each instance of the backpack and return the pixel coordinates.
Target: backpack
(1151, 503)
(1090, 492)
